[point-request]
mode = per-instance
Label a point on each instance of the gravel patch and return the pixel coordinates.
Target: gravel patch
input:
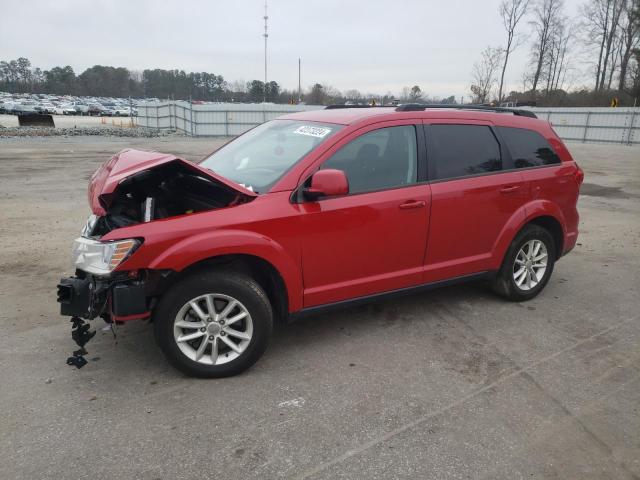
(136, 132)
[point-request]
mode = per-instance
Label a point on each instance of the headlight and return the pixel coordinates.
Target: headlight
(101, 258)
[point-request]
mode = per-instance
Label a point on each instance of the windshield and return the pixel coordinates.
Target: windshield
(260, 157)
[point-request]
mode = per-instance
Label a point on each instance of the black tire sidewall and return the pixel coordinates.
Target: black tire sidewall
(508, 286)
(238, 286)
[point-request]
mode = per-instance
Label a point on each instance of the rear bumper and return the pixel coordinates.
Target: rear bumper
(117, 298)
(570, 241)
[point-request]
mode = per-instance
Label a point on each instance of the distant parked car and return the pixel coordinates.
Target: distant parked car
(68, 110)
(20, 109)
(122, 112)
(7, 107)
(95, 109)
(47, 108)
(81, 109)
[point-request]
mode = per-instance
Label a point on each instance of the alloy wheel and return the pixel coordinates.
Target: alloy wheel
(213, 329)
(530, 264)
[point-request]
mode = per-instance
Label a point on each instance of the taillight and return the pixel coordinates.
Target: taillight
(579, 175)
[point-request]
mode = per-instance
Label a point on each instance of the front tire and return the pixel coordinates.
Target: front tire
(213, 325)
(527, 265)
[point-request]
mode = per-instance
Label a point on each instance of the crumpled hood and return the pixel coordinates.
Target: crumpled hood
(129, 162)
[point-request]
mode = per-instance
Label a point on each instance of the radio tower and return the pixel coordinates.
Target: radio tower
(265, 35)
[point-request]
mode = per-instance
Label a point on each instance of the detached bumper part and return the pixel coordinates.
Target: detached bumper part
(89, 297)
(128, 302)
(74, 297)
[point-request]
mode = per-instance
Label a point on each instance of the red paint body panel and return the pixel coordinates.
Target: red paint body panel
(349, 246)
(363, 244)
(467, 216)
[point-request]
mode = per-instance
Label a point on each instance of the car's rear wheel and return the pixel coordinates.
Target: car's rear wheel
(527, 265)
(214, 324)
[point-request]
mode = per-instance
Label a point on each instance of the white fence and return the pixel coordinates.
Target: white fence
(222, 119)
(598, 125)
(601, 125)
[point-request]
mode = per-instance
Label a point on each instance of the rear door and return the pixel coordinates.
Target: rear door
(474, 193)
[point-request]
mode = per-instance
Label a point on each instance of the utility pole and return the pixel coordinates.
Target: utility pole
(265, 35)
(299, 82)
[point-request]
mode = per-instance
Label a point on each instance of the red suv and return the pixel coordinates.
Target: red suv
(316, 210)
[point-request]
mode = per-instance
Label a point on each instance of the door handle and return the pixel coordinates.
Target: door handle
(510, 189)
(413, 204)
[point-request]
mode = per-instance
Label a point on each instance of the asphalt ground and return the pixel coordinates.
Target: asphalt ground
(452, 383)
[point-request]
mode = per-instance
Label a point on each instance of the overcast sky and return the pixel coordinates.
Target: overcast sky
(374, 46)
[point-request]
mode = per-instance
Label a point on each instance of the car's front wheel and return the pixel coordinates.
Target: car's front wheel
(527, 265)
(214, 324)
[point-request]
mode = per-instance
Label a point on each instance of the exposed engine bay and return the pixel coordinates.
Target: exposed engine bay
(165, 191)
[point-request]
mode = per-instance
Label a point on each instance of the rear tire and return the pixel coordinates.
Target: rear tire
(220, 344)
(527, 265)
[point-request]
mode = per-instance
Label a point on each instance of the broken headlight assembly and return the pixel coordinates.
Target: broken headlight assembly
(101, 258)
(90, 226)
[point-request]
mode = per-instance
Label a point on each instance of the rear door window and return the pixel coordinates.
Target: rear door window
(528, 148)
(462, 150)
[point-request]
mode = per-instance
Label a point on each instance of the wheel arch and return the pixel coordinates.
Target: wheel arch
(274, 267)
(543, 213)
(553, 226)
(261, 270)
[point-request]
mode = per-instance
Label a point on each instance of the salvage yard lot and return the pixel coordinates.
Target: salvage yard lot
(453, 383)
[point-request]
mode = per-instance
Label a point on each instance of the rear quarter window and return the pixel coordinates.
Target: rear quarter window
(528, 148)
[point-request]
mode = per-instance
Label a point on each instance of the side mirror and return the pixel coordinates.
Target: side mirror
(327, 183)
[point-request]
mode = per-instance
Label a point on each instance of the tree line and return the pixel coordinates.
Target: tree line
(605, 36)
(19, 76)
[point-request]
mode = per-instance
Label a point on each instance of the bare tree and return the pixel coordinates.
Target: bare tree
(545, 13)
(555, 62)
(511, 12)
(353, 95)
(602, 17)
(484, 74)
(629, 38)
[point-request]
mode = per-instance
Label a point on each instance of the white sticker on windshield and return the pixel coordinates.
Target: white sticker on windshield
(319, 132)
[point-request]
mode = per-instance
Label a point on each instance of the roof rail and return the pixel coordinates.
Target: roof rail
(417, 107)
(342, 105)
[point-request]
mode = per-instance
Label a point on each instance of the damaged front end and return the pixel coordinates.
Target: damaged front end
(132, 188)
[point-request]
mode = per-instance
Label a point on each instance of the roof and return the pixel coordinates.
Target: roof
(350, 116)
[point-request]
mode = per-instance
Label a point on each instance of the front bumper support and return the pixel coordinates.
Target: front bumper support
(87, 296)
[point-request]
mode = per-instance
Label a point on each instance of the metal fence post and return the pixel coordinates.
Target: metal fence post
(157, 118)
(629, 133)
(190, 117)
(226, 123)
(586, 127)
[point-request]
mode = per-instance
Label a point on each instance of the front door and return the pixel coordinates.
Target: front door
(373, 239)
